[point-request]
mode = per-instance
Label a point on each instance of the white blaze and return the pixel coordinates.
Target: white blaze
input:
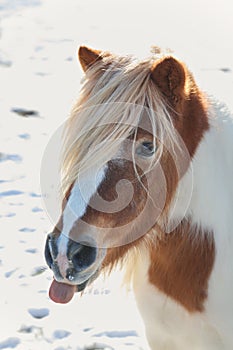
(84, 188)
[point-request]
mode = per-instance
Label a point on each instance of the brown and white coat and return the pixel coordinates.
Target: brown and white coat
(181, 262)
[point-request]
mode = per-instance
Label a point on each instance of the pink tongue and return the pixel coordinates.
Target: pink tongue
(61, 293)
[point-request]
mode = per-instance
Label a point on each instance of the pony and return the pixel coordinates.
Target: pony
(146, 182)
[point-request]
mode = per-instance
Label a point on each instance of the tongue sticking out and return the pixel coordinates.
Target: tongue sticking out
(61, 293)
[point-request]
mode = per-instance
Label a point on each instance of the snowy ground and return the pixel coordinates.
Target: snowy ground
(38, 72)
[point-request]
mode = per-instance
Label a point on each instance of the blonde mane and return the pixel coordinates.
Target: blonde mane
(115, 92)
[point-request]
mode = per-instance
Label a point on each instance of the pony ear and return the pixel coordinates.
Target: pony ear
(169, 76)
(87, 57)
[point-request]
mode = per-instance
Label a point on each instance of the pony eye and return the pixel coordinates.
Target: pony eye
(146, 149)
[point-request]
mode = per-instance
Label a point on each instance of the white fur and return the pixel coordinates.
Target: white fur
(168, 325)
(84, 188)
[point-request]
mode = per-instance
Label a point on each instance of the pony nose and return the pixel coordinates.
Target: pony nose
(81, 255)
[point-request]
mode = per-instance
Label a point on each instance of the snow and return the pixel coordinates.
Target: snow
(39, 82)
(38, 313)
(9, 343)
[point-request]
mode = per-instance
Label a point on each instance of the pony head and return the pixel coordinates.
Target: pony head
(127, 145)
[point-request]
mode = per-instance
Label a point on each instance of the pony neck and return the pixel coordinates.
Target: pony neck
(211, 200)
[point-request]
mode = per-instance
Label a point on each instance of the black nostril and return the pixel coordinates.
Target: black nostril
(47, 252)
(84, 257)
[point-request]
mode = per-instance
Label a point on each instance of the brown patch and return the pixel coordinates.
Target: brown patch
(172, 178)
(181, 264)
(187, 102)
(118, 254)
(108, 192)
(193, 123)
